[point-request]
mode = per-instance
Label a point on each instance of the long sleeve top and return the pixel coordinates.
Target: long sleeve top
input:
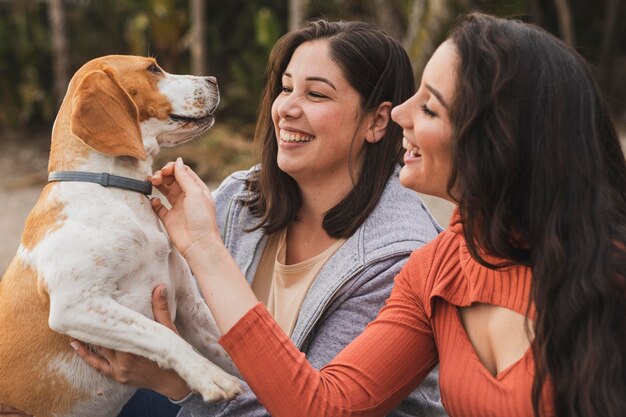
(419, 327)
(347, 294)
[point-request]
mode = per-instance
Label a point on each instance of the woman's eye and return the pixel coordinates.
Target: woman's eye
(286, 89)
(154, 69)
(317, 95)
(428, 112)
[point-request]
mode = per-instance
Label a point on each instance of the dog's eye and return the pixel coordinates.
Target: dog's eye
(154, 69)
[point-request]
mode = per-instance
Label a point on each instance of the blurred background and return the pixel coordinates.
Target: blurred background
(42, 43)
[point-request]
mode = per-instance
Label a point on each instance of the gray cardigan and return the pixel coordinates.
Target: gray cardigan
(346, 295)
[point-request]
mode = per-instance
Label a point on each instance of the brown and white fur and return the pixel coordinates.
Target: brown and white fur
(90, 255)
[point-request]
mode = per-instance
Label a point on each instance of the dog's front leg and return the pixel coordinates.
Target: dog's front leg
(194, 320)
(102, 321)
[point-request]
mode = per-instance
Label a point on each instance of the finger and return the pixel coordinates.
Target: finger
(108, 354)
(195, 177)
(159, 209)
(168, 169)
(170, 189)
(169, 179)
(156, 178)
(201, 184)
(160, 308)
(187, 179)
(99, 364)
(165, 175)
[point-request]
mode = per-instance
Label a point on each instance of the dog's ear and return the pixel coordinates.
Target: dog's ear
(105, 117)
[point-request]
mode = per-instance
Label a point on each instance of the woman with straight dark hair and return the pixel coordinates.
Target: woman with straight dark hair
(520, 301)
(376, 67)
(322, 225)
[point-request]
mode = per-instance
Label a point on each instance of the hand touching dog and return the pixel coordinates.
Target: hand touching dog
(130, 369)
(190, 222)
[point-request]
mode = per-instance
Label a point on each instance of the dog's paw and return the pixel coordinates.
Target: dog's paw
(215, 385)
(228, 386)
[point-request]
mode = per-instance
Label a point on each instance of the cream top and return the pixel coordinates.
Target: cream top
(282, 288)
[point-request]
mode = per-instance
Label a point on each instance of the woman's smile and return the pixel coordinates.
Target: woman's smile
(412, 152)
(295, 137)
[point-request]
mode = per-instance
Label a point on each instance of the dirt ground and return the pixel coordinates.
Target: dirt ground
(23, 171)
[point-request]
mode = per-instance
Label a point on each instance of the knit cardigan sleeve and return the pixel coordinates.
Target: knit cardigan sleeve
(369, 377)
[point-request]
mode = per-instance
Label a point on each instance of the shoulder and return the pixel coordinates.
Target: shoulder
(443, 249)
(234, 183)
(226, 195)
(436, 267)
(232, 186)
(400, 220)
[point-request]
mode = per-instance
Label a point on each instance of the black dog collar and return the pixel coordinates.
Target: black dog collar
(104, 179)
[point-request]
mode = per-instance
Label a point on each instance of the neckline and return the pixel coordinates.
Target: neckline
(281, 254)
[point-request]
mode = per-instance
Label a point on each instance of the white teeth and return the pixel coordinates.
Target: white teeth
(292, 137)
(413, 150)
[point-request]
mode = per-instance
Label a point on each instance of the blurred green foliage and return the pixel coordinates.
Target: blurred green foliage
(25, 76)
(239, 36)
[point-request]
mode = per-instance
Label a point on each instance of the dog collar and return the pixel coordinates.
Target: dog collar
(104, 179)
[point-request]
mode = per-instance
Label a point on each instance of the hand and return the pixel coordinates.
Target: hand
(6, 411)
(191, 222)
(192, 226)
(130, 369)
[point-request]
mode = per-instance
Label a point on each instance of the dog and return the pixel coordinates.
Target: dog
(91, 252)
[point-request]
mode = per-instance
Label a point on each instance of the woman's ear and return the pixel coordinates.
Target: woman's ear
(378, 121)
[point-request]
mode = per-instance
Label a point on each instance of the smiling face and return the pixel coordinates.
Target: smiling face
(426, 126)
(316, 118)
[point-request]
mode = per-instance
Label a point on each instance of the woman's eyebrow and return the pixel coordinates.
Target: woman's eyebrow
(438, 95)
(322, 79)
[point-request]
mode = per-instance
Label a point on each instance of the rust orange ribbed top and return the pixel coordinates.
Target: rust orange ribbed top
(419, 327)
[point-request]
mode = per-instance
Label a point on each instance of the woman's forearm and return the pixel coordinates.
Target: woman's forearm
(224, 287)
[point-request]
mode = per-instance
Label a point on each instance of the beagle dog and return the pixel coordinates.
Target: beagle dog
(92, 249)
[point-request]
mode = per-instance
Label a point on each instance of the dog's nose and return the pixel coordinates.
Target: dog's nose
(212, 80)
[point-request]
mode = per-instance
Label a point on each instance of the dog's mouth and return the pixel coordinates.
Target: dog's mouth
(184, 128)
(187, 119)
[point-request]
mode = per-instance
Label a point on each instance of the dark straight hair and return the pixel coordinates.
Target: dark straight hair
(541, 180)
(379, 69)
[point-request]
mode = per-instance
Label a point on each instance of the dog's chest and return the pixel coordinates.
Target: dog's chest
(114, 219)
(108, 237)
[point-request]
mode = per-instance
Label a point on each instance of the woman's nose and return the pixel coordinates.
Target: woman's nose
(289, 106)
(399, 114)
(396, 113)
